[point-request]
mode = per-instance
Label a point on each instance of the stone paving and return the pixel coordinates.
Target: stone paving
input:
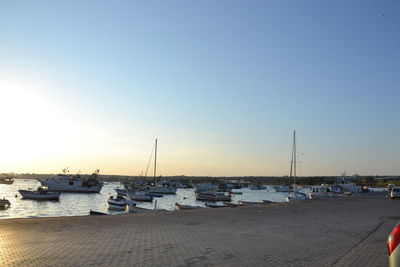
(342, 231)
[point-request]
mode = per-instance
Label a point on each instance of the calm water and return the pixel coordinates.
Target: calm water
(74, 204)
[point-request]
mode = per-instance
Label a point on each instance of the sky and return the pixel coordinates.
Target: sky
(221, 84)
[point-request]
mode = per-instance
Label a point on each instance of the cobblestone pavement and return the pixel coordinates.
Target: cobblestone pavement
(342, 231)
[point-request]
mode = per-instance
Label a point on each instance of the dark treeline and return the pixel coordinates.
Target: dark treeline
(303, 180)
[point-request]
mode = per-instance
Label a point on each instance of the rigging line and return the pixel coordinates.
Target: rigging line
(148, 164)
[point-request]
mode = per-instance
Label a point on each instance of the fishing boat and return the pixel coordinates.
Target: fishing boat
(42, 193)
(4, 203)
(187, 207)
(68, 183)
(295, 195)
(212, 196)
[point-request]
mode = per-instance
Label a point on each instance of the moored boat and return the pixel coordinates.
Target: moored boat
(6, 180)
(4, 203)
(212, 196)
(140, 196)
(162, 190)
(42, 193)
(96, 213)
(258, 187)
(187, 207)
(67, 183)
(119, 202)
(210, 205)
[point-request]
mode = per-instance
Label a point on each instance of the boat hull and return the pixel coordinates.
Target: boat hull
(39, 196)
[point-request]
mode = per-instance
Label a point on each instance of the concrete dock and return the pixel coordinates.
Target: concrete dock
(340, 231)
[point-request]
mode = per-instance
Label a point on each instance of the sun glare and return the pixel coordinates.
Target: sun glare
(28, 122)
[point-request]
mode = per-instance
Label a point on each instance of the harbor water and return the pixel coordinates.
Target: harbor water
(79, 204)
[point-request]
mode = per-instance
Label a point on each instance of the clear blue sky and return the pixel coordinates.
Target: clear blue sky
(222, 84)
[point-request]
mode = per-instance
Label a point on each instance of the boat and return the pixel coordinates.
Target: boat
(233, 205)
(187, 207)
(6, 180)
(250, 202)
(210, 205)
(206, 187)
(119, 201)
(142, 196)
(212, 196)
(281, 188)
(67, 183)
(295, 195)
(266, 202)
(236, 193)
(134, 209)
(319, 191)
(42, 193)
(97, 213)
(4, 203)
(121, 192)
(155, 195)
(258, 187)
(162, 190)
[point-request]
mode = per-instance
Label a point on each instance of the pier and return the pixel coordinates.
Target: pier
(339, 231)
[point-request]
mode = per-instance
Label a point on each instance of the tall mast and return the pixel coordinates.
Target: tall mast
(155, 162)
(294, 160)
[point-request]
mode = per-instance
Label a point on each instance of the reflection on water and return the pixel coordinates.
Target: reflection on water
(77, 204)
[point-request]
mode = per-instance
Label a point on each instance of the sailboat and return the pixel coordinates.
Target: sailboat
(295, 195)
(157, 189)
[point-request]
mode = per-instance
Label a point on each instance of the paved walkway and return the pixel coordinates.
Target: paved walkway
(343, 231)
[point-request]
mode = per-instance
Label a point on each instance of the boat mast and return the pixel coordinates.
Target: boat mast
(155, 162)
(293, 162)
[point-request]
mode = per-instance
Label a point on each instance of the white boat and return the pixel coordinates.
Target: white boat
(296, 196)
(319, 191)
(344, 185)
(119, 202)
(67, 183)
(41, 193)
(162, 190)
